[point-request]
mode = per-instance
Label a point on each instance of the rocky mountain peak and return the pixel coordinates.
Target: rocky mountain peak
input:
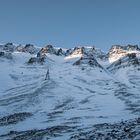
(48, 49)
(88, 60)
(88, 51)
(51, 50)
(9, 47)
(118, 51)
(126, 48)
(129, 59)
(29, 48)
(77, 50)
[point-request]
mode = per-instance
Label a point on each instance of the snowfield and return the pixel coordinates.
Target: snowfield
(72, 102)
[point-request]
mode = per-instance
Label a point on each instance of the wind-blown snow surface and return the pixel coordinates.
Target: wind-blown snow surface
(73, 99)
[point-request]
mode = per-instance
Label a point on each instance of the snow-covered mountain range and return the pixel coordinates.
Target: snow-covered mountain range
(90, 94)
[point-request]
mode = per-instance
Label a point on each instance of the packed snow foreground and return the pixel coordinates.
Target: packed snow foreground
(78, 93)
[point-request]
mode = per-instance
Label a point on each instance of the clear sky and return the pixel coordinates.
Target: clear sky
(68, 23)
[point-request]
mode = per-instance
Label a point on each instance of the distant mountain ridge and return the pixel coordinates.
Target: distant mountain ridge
(116, 56)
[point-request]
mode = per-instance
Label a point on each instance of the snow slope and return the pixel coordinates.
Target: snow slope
(73, 99)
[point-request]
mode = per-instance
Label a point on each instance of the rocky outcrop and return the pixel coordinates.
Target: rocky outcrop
(19, 48)
(7, 55)
(60, 52)
(77, 50)
(2, 54)
(30, 49)
(40, 60)
(118, 51)
(88, 51)
(48, 49)
(14, 118)
(124, 130)
(68, 52)
(126, 61)
(87, 60)
(8, 47)
(27, 48)
(51, 50)
(38, 134)
(97, 53)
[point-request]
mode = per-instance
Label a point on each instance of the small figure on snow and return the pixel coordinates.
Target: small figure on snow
(47, 75)
(38, 54)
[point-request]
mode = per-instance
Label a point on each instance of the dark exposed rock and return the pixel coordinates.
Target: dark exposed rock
(19, 48)
(97, 53)
(36, 60)
(8, 47)
(121, 49)
(48, 49)
(132, 55)
(14, 118)
(68, 52)
(123, 130)
(88, 51)
(132, 47)
(60, 52)
(7, 55)
(38, 134)
(88, 60)
(126, 61)
(27, 48)
(2, 54)
(77, 50)
(51, 50)
(117, 51)
(39, 54)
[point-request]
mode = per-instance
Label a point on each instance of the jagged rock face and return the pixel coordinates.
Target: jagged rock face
(128, 60)
(48, 49)
(7, 55)
(86, 50)
(27, 48)
(51, 50)
(40, 60)
(2, 54)
(77, 50)
(19, 48)
(68, 52)
(88, 60)
(60, 52)
(9, 47)
(14, 118)
(97, 53)
(117, 51)
(132, 47)
(125, 48)
(123, 130)
(132, 55)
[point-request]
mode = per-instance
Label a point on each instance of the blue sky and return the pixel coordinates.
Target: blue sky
(68, 23)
